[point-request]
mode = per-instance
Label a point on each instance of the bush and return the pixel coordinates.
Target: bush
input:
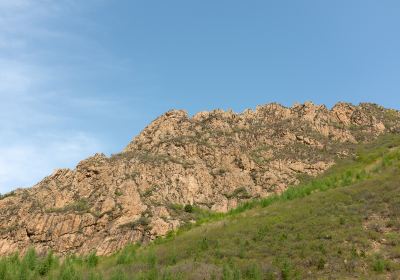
(45, 264)
(30, 259)
(123, 258)
(92, 260)
(230, 272)
(152, 259)
(240, 193)
(126, 255)
(80, 206)
(321, 264)
(287, 270)
(254, 272)
(142, 221)
(23, 273)
(2, 196)
(95, 276)
(3, 269)
(68, 272)
(188, 208)
(118, 275)
(379, 264)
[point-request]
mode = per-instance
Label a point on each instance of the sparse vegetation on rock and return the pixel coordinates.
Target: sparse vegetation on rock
(214, 161)
(343, 224)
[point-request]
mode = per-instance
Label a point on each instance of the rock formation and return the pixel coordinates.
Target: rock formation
(213, 160)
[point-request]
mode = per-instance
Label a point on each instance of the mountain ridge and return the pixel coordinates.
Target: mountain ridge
(343, 224)
(212, 160)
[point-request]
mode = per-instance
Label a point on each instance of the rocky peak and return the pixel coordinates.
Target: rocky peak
(213, 160)
(164, 126)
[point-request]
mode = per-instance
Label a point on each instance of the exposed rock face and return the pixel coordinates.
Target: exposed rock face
(213, 160)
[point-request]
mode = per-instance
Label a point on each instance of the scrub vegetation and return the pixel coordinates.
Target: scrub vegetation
(343, 224)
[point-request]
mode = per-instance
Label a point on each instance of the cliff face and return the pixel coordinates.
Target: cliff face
(213, 160)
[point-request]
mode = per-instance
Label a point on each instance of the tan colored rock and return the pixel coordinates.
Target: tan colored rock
(108, 205)
(214, 160)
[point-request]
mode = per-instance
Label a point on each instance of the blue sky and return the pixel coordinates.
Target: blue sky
(79, 77)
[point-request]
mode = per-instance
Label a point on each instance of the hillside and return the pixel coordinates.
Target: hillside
(213, 161)
(344, 224)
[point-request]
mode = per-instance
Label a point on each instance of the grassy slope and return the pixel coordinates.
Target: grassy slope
(339, 226)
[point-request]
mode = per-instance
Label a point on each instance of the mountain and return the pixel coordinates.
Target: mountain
(343, 224)
(180, 168)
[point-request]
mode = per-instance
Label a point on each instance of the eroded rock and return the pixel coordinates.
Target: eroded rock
(214, 160)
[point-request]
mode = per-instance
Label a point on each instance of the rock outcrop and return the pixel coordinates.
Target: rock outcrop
(213, 160)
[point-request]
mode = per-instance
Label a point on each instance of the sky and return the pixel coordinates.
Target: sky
(80, 77)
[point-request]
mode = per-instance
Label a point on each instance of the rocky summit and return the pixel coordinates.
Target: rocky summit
(211, 161)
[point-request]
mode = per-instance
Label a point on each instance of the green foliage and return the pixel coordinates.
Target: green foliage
(80, 206)
(126, 255)
(118, 275)
(95, 276)
(2, 196)
(142, 221)
(151, 259)
(176, 207)
(287, 270)
(92, 260)
(240, 192)
(322, 228)
(68, 272)
(380, 264)
(230, 272)
(188, 208)
(46, 264)
(253, 272)
(30, 259)
(257, 155)
(118, 192)
(149, 191)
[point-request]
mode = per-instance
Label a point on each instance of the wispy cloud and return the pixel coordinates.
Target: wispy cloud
(23, 163)
(33, 140)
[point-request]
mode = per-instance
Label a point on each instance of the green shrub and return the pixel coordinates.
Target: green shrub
(188, 208)
(46, 264)
(240, 192)
(142, 221)
(167, 276)
(68, 272)
(176, 207)
(23, 273)
(321, 264)
(203, 244)
(3, 269)
(254, 272)
(81, 206)
(92, 260)
(123, 258)
(2, 196)
(230, 272)
(379, 264)
(149, 191)
(95, 276)
(151, 259)
(152, 274)
(118, 275)
(227, 273)
(126, 255)
(30, 259)
(287, 270)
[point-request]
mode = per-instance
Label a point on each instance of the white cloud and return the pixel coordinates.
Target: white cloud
(33, 138)
(24, 163)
